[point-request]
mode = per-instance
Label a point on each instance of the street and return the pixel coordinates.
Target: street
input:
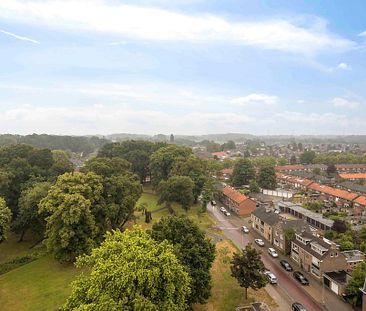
(288, 289)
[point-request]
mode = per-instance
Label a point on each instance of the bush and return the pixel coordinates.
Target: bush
(19, 261)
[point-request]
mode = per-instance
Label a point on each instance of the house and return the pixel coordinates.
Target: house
(280, 228)
(353, 257)
(226, 173)
(238, 202)
(289, 168)
(353, 176)
(316, 255)
(221, 155)
(355, 168)
(263, 220)
(313, 219)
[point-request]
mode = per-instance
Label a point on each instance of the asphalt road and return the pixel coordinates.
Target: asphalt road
(288, 289)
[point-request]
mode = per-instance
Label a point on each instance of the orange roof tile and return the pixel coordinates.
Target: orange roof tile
(361, 200)
(343, 194)
(353, 176)
(234, 195)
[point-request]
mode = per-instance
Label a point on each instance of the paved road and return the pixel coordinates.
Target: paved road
(288, 289)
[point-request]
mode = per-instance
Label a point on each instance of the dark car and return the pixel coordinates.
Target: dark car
(296, 306)
(286, 265)
(301, 278)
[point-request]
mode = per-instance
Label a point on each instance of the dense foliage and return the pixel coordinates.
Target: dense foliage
(130, 271)
(193, 250)
(5, 218)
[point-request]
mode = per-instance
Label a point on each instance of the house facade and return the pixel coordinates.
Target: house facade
(237, 202)
(263, 221)
(316, 256)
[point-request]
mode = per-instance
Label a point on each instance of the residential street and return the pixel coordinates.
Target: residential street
(288, 289)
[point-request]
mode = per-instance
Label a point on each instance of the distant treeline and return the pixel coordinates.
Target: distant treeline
(78, 144)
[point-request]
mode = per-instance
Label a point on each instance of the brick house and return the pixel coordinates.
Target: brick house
(263, 220)
(238, 202)
(353, 258)
(316, 255)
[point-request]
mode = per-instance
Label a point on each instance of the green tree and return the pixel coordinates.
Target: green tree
(307, 157)
(282, 161)
(162, 161)
(177, 189)
(289, 237)
(247, 267)
(243, 172)
(293, 160)
(71, 228)
(106, 167)
(208, 191)
(193, 250)
(5, 218)
(130, 271)
(357, 280)
(267, 177)
(29, 217)
(61, 163)
(253, 186)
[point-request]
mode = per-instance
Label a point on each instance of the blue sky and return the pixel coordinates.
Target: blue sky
(182, 66)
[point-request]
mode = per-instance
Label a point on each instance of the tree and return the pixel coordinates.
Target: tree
(61, 163)
(162, 161)
(106, 167)
(253, 186)
(243, 172)
(247, 267)
(293, 160)
(339, 226)
(307, 157)
(177, 189)
(5, 218)
(357, 280)
(130, 271)
(229, 145)
(331, 170)
(29, 217)
(193, 250)
(193, 167)
(267, 177)
(208, 191)
(282, 161)
(289, 237)
(71, 228)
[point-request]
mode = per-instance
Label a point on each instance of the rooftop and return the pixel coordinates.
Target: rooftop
(338, 276)
(315, 216)
(234, 195)
(266, 215)
(335, 192)
(353, 176)
(354, 255)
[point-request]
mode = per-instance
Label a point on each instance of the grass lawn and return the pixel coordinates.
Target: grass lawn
(226, 292)
(12, 248)
(158, 211)
(40, 285)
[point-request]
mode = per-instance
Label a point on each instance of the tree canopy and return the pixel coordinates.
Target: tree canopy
(193, 250)
(243, 172)
(358, 277)
(130, 271)
(247, 267)
(5, 218)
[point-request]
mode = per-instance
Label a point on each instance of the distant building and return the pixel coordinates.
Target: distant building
(171, 139)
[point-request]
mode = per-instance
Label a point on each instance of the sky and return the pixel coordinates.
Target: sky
(270, 67)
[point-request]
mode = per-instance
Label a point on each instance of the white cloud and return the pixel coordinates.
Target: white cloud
(22, 38)
(146, 23)
(362, 34)
(340, 102)
(342, 66)
(255, 99)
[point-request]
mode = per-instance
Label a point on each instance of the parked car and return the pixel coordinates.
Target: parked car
(259, 242)
(213, 203)
(272, 279)
(226, 213)
(297, 306)
(285, 264)
(272, 252)
(301, 278)
(245, 229)
(222, 209)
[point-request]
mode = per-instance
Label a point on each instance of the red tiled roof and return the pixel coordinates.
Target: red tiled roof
(294, 180)
(343, 194)
(234, 195)
(289, 167)
(353, 176)
(361, 200)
